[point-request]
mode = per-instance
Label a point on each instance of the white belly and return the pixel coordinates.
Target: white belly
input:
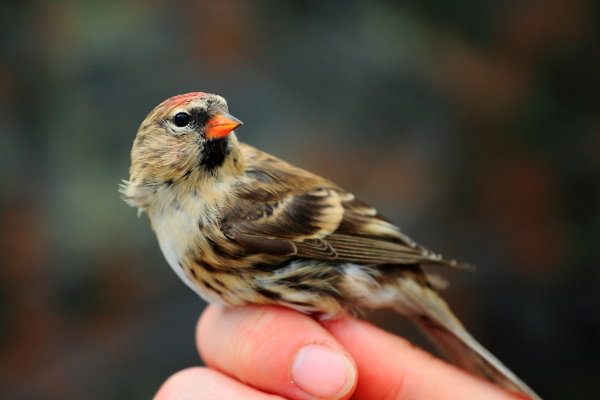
(170, 227)
(176, 231)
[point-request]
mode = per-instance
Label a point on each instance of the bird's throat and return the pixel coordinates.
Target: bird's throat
(214, 153)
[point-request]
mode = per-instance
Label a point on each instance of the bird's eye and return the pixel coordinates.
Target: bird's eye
(181, 119)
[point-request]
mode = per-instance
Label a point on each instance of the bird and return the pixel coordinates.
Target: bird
(240, 226)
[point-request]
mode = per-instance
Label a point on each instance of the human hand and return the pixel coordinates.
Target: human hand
(263, 352)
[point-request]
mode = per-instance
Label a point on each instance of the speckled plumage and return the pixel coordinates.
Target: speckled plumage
(240, 226)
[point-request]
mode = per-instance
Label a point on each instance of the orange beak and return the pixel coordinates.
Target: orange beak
(220, 125)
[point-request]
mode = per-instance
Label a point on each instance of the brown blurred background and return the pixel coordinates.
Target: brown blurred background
(474, 125)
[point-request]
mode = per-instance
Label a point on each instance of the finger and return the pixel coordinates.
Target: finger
(390, 367)
(206, 384)
(276, 350)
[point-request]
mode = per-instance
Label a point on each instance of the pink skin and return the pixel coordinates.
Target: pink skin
(259, 352)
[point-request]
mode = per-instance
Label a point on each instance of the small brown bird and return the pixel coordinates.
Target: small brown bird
(240, 226)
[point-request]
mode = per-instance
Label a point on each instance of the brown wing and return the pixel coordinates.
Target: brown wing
(283, 210)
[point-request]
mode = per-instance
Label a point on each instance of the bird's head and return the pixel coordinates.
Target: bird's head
(186, 135)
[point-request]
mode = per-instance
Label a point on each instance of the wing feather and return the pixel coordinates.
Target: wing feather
(284, 210)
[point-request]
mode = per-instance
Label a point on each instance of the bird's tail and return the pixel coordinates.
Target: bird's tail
(431, 313)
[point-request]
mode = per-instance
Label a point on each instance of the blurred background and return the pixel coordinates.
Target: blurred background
(474, 125)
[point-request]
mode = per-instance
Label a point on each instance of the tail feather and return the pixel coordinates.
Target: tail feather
(434, 317)
(464, 351)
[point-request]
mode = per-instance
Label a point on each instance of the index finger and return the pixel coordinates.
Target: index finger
(390, 367)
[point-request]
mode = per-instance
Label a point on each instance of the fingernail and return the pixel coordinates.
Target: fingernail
(323, 372)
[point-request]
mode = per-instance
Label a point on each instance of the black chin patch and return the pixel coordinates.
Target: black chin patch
(214, 153)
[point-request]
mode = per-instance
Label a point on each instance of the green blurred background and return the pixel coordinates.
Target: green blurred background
(474, 125)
